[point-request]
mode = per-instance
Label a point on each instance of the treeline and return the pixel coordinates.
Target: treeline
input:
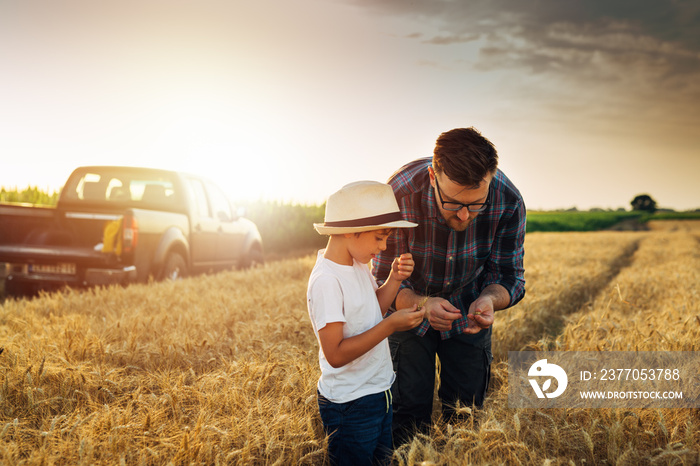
(29, 195)
(286, 227)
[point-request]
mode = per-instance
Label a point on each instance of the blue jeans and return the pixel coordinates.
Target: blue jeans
(359, 430)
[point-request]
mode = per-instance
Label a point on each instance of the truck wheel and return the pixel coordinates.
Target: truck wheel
(174, 267)
(253, 257)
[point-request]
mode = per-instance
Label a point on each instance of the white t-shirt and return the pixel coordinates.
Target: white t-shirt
(344, 293)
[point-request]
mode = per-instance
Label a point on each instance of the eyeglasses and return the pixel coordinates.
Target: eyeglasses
(457, 206)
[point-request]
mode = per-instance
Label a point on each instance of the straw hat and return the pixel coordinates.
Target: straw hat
(362, 206)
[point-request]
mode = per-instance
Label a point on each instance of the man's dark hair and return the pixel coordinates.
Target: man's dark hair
(464, 156)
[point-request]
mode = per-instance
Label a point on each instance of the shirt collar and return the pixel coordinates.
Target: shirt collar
(429, 201)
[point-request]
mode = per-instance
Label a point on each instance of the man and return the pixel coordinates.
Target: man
(468, 254)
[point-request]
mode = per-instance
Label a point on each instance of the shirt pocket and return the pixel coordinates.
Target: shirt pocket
(474, 262)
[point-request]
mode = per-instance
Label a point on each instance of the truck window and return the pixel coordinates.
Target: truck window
(92, 188)
(131, 187)
(200, 198)
(152, 191)
(219, 203)
(117, 192)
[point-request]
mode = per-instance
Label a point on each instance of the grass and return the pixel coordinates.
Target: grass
(577, 221)
(221, 369)
(598, 220)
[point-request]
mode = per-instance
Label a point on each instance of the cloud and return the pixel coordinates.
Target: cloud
(671, 20)
(451, 39)
(653, 28)
(625, 50)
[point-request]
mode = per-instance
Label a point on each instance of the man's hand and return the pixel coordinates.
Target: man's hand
(441, 313)
(480, 314)
(402, 267)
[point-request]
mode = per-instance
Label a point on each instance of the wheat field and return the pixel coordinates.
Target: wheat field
(222, 369)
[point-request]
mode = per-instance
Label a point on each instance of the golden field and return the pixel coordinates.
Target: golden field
(222, 369)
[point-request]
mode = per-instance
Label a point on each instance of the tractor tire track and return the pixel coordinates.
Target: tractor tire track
(577, 297)
(551, 316)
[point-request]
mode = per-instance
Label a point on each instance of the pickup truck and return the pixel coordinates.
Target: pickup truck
(117, 225)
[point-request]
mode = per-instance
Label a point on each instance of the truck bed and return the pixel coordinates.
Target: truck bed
(19, 220)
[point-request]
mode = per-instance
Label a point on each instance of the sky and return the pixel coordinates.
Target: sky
(588, 102)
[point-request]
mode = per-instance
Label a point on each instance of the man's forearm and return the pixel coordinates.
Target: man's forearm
(498, 294)
(407, 298)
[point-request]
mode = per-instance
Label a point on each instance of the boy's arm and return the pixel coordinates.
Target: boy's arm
(383, 262)
(340, 351)
(386, 294)
(401, 269)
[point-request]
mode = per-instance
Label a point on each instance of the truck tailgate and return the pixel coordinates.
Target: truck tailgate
(40, 254)
(63, 264)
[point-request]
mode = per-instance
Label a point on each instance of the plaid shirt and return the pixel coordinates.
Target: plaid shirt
(456, 265)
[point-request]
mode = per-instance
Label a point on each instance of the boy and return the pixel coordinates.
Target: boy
(346, 308)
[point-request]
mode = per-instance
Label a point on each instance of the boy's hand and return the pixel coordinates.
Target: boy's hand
(407, 318)
(402, 267)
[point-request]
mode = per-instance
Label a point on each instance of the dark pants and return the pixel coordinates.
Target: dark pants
(465, 366)
(359, 430)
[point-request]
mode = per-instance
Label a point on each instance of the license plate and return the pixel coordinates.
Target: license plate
(53, 269)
